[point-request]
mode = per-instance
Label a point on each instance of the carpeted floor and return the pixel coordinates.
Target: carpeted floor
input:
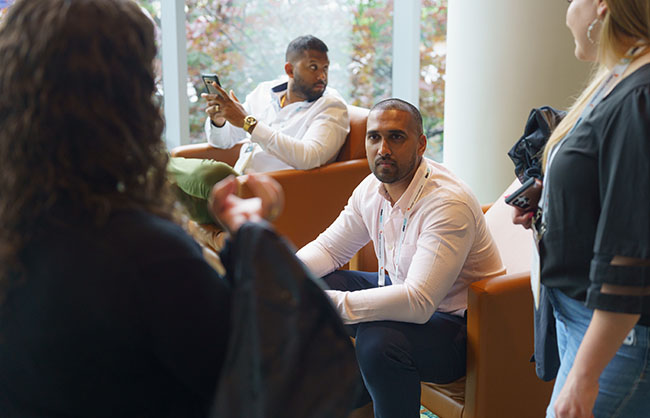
(366, 411)
(424, 413)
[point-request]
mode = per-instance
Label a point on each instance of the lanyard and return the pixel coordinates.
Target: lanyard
(381, 274)
(606, 85)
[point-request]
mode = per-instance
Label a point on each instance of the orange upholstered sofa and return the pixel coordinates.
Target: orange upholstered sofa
(313, 198)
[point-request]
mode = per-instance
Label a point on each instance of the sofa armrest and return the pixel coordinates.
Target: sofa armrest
(208, 152)
(314, 198)
(499, 347)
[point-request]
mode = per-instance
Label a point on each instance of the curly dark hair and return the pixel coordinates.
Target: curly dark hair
(78, 121)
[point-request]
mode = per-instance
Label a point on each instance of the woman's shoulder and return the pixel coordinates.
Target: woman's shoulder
(626, 111)
(145, 236)
(630, 90)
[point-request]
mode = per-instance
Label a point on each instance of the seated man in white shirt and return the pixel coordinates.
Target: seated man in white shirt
(431, 242)
(295, 122)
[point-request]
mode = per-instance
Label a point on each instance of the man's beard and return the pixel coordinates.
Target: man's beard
(307, 91)
(394, 175)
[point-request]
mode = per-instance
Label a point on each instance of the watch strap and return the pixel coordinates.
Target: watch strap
(249, 123)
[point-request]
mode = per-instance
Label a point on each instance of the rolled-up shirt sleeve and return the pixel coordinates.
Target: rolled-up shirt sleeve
(227, 136)
(624, 223)
(224, 137)
(319, 145)
(442, 247)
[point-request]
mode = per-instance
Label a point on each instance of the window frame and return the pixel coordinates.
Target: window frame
(405, 77)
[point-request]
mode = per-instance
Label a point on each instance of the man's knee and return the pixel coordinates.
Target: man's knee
(197, 176)
(336, 280)
(348, 280)
(192, 180)
(379, 348)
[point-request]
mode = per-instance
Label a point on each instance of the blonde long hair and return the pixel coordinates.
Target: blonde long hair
(626, 23)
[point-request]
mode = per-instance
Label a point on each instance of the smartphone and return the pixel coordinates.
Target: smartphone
(208, 79)
(527, 196)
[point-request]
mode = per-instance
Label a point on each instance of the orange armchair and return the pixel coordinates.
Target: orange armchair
(313, 198)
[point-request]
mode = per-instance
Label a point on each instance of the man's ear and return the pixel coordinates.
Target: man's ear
(601, 9)
(288, 68)
(422, 145)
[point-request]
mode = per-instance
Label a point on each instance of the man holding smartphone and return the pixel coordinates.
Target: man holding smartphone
(295, 123)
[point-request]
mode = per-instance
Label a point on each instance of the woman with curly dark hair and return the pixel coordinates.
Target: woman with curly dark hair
(106, 307)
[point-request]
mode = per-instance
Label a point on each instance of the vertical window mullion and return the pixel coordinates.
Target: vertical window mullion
(406, 50)
(174, 68)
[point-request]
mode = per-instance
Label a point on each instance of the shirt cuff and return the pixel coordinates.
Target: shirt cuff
(214, 125)
(262, 133)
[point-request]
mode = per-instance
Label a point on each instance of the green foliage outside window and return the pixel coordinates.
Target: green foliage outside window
(433, 58)
(243, 41)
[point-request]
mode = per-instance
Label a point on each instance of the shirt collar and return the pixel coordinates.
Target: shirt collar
(281, 88)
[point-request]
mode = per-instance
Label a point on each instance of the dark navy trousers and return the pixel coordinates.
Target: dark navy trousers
(394, 357)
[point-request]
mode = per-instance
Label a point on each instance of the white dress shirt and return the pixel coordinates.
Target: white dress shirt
(446, 246)
(301, 135)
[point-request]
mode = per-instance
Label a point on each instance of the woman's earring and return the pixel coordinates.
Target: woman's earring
(591, 28)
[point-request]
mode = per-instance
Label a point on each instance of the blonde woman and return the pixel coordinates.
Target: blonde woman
(595, 232)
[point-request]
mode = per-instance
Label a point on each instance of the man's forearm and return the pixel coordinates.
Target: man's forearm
(316, 259)
(316, 146)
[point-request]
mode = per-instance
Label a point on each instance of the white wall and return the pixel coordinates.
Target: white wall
(504, 58)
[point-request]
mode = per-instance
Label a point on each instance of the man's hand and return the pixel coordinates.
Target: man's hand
(232, 211)
(224, 107)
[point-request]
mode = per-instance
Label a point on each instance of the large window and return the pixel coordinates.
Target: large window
(243, 41)
(433, 58)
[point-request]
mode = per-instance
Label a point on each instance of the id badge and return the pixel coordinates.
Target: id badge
(242, 163)
(535, 268)
(535, 280)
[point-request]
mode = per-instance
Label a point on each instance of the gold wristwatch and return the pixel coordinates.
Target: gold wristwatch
(249, 123)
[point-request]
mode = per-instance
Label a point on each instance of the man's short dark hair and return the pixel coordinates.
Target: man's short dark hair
(301, 44)
(399, 104)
